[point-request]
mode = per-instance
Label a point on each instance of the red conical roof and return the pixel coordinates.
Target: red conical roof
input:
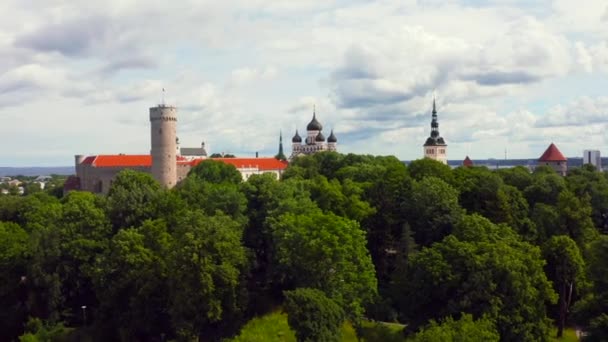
(467, 162)
(552, 154)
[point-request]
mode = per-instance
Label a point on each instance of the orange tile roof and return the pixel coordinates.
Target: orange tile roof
(262, 164)
(552, 154)
(121, 160)
(145, 160)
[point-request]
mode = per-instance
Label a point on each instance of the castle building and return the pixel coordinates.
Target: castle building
(166, 162)
(315, 140)
(435, 147)
(555, 159)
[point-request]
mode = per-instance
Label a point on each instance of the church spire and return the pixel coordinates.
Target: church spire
(435, 147)
(281, 155)
(434, 122)
(434, 139)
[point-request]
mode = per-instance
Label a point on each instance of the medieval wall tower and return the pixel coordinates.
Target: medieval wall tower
(163, 121)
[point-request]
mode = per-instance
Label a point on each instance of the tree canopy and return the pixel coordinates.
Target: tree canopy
(452, 254)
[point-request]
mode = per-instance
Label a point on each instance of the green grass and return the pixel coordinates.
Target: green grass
(382, 331)
(569, 336)
(274, 327)
(270, 327)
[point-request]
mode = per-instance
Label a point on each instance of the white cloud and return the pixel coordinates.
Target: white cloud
(240, 71)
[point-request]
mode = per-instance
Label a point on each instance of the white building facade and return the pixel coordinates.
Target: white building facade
(593, 157)
(315, 140)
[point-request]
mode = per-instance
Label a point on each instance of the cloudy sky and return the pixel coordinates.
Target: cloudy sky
(77, 77)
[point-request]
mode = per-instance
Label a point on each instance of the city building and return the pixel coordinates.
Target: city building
(435, 147)
(555, 159)
(167, 162)
(315, 140)
(593, 157)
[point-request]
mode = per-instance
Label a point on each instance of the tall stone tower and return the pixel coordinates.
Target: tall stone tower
(163, 121)
(435, 147)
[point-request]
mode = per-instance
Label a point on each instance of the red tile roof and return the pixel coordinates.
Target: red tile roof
(262, 164)
(119, 160)
(552, 154)
(124, 160)
(467, 162)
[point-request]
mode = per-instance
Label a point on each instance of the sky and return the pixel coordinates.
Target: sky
(509, 77)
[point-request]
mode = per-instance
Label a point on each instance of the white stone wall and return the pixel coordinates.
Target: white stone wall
(438, 153)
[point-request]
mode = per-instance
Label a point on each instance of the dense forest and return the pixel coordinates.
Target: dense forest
(454, 254)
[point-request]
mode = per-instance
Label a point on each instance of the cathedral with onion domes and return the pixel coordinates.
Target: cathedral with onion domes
(315, 140)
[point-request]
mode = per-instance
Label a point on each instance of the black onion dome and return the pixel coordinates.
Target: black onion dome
(332, 138)
(296, 138)
(320, 137)
(314, 125)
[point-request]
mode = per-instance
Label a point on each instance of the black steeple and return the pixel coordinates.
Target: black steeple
(281, 155)
(435, 138)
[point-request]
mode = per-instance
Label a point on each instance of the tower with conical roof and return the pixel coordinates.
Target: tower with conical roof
(281, 155)
(554, 158)
(435, 147)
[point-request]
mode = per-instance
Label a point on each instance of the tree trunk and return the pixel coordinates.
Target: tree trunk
(563, 309)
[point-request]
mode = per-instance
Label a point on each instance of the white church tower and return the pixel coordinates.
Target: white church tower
(435, 147)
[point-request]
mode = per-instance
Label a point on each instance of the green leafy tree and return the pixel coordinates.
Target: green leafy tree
(386, 185)
(210, 197)
(36, 330)
(84, 233)
(546, 219)
(341, 198)
(483, 191)
(587, 182)
(131, 281)
(13, 279)
(206, 268)
(65, 251)
(488, 272)
(427, 167)
(463, 329)
(575, 218)
(215, 172)
(591, 312)
(433, 210)
(267, 200)
(132, 199)
(565, 268)
(326, 252)
(519, 177)
(313, 316)
(545, 188)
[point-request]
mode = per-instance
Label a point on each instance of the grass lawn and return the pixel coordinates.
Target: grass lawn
(569, 335)
(270, 327)
(274, 327)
